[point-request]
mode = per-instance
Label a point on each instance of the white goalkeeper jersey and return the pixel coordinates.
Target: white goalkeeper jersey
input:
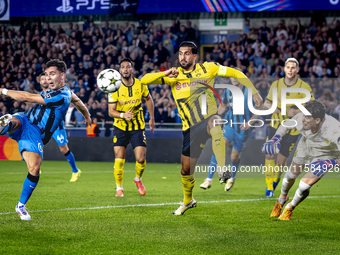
(328, 136)
(324, 144)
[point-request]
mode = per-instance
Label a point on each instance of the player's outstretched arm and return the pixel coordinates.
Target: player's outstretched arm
(242, 78)
(23, 96)
(149, 104)
(156, 78)
(81, 108)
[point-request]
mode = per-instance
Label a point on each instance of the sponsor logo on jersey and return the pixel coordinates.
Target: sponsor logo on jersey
(180, 85)
(134, 101)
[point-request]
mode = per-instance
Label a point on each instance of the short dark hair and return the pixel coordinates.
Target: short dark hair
(126, 60)
(190, 44)
(41, 74)
(316, 108)
(61, 66)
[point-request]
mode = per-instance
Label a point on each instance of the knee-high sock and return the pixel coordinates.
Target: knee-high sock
(288, 182)
(188, 183)
(218, 145)
(70, 158)
(140, 169)
(213, 167)
(301, 193)
(119, 171)
(234, 167)
(270, 164)
(30, 183)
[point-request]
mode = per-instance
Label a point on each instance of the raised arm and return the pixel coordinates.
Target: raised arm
(242, 78)
(81, 108)
(23, 96)
(158, 78)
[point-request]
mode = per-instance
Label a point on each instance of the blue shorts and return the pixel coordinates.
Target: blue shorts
(239, 140)
(28, 136)
(60, 136)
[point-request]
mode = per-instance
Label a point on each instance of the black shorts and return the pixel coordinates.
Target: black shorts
(123, 138)
(287, 143)
(194, 139)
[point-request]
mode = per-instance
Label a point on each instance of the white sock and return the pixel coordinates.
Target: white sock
(209, 179)
(282, 201)
(119, 188)
(137, 180)
(301, 193)
(288, 182)
(20, 204)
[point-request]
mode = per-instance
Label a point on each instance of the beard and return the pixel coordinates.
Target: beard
(127, 76)
(185, 66)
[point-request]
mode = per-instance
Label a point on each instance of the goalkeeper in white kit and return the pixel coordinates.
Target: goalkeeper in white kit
(318, 150)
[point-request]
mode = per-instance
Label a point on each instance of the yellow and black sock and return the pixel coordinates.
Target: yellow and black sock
(277, 175)
(188, 183)
(119, 171)
(269, 174)
(140, 169)
(218, 145)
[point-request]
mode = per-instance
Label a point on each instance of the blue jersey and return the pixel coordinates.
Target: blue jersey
(50, 116)
(227, 99)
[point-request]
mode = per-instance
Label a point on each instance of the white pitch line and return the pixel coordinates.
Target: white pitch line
(161, 204)
(87, 172)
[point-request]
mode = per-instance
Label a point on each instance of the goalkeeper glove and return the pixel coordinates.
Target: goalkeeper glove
(272, 146)
(320, 167)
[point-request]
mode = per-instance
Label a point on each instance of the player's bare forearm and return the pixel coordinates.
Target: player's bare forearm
(150, 106)
(80, 106)
(115, 114)
(221, 109)
(24, 96)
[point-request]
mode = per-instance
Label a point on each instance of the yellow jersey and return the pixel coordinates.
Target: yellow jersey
(187, 89)
(279, 84)
(130, 98)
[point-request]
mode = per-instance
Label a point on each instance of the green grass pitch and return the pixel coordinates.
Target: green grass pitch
(85, 217)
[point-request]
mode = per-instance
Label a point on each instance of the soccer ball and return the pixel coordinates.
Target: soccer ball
(109, 80)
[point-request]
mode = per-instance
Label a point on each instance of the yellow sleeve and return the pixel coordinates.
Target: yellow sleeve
(153, 78)
(212, 67)
(145, 92)
(241, 77)
(157, 78)
(113, 98)
(270, 94)
(310, 90)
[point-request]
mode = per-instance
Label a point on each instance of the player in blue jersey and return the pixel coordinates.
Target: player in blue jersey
(35, 128)
(233, 133)
(60, 136)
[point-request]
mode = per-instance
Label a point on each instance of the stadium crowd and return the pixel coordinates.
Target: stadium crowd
(260, 53)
